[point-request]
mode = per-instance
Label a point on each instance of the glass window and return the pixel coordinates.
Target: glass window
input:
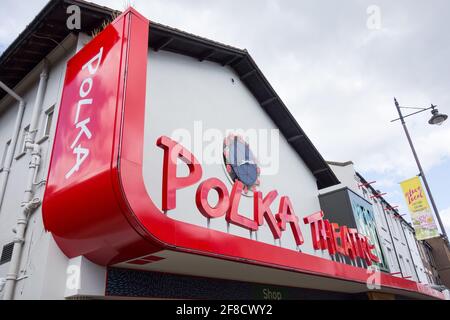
(381, 215)
(392, 260)
(48, 121)
(46, 125)
(389, 254)
(408, 268)
(402, 264)
(400, 229)
(5, 153)
(25, 132)
(7, 253)
(395, 225)
(364, 192)
(392, 225)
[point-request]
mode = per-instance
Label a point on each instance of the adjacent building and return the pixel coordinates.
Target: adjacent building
(404, 256)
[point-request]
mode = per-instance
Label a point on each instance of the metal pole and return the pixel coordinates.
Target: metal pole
(422, 174)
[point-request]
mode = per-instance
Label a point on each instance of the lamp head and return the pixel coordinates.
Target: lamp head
(437, 118)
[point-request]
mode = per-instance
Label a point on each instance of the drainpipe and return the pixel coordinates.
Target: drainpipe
(14, 139)
(29, 203)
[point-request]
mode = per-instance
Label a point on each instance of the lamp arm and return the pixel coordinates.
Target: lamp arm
(415, 108)
(411, 114)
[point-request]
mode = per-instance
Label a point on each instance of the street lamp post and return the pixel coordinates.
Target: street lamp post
(437, 118)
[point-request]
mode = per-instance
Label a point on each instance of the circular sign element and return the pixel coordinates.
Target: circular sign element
(240, 162)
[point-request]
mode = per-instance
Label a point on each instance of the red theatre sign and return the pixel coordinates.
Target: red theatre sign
(96, 203)
(325, 235)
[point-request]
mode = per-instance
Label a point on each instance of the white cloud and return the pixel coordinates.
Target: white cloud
(15, 16)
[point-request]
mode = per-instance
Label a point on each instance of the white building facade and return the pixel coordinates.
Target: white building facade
(404, 255)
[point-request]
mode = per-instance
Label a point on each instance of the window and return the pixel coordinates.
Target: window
(7, 253)
(389, 254)
(397, 228)
(381, 215)
(391, 223)
(402, 231)
(4, 155)
(394, 226)
(402, 265)
(392, 261)
(408, 267)
(430, 280)
(365, 195)
(384, 217)
(47, 123)
(21, 149)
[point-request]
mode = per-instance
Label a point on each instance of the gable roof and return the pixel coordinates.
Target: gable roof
(48, 29)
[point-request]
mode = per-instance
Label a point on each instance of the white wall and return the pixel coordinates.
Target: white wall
(181, 91)
(43, 268)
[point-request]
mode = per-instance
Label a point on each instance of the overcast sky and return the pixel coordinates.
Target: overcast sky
(336, 66)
